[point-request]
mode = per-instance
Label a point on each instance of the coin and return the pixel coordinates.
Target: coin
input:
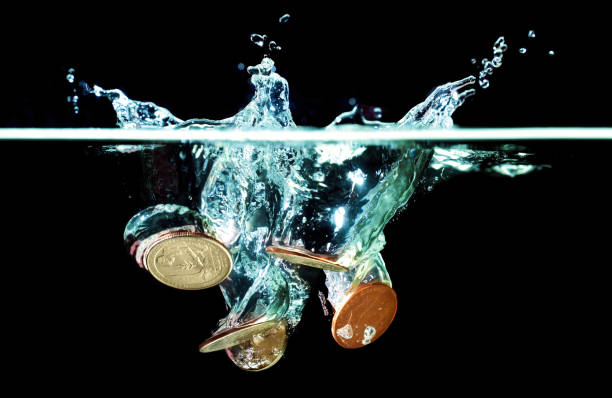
(262, 350)
(188, 260)
(306, 257)
(365, 315)
(236, 335)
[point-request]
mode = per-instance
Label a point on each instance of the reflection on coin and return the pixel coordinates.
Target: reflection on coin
(188, 260)
(236, 335)
(365, 315)
(305, 257)
(262, 350)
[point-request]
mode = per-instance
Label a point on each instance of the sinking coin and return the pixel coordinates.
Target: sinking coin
(305, 257)
(262, 350)
(188, 260)
(365, 315)
(236, 335)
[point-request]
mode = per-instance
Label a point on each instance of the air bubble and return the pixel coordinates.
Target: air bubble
(523, 50)
(352, 101)
(284, 18)
(551, 53)
(273, 46)
(531, 34)
(258, 40)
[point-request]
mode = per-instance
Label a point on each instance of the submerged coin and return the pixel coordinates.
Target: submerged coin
(365, 315)
(262, 350)
(305, 257)
(236, 335)
(188, 260)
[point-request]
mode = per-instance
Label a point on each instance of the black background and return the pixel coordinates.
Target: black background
(501, 281)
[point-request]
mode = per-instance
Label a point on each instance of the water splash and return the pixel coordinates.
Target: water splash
(268, 108)
(499, 47)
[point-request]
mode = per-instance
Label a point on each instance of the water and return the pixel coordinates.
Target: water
(332, 196)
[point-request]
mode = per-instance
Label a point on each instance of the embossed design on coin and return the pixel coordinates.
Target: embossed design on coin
(305, 257)
(188, 260)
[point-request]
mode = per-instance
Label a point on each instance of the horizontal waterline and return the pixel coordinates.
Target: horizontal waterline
(305, 134)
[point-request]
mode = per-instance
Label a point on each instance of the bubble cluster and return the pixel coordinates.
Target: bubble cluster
(74, 98)
(499, 47)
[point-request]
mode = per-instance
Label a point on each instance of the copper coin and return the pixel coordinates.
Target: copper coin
(262, 350)
(300, 256)
(365, 315)
(188, 260)
(236, 335)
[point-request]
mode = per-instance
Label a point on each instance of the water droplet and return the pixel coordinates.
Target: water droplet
(284, 18)
(273, 46)
(258, 40)
(551, 53)
(531, 34)
(368, 335)
(345, 332)
(240, 66)
(523, 50)
(474, 61)
(76, 109)
(377, 113)
(70, 77)
(352, 101)
(71, 70)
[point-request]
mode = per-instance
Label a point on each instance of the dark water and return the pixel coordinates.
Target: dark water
(500, 280)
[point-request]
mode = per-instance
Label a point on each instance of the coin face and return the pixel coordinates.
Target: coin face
(236, 335)
(305, 257)
(365, 315)
(262, 350)
(188, 260)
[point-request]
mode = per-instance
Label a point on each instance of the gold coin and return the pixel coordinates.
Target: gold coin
(305, 257)
(236, 335)
(262, 350)
(365, 315)
(188, 260)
